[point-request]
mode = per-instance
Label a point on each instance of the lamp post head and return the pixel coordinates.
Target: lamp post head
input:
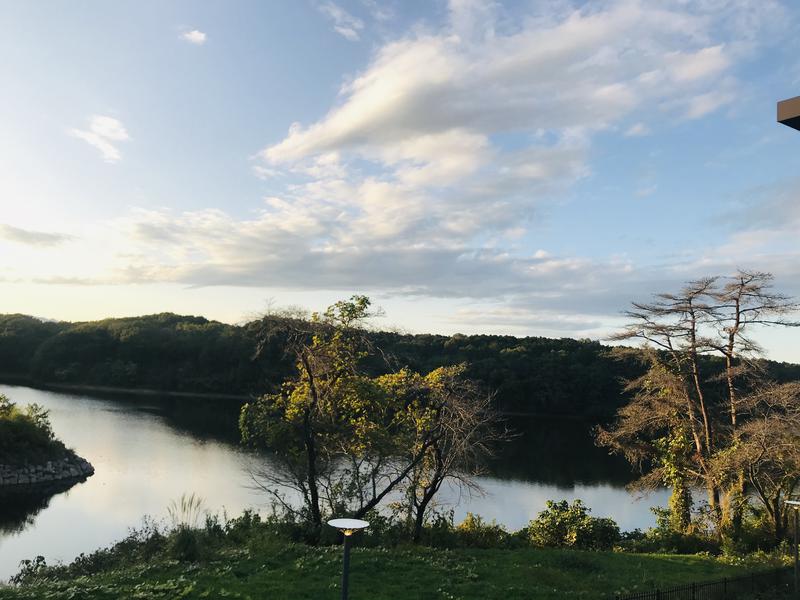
(348, 526)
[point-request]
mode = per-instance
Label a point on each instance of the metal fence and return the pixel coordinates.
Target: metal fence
(766, 581)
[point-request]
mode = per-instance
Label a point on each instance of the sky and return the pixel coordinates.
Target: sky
(523, 167)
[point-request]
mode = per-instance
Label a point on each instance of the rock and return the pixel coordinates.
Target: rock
(69, 467)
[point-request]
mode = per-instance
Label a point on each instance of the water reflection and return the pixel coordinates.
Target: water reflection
(147, 452)
(559, 452)
(20, 505)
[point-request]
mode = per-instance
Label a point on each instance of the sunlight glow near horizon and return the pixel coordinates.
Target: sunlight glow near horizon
(528, 168)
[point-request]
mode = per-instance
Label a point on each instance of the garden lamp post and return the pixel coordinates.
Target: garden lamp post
(796, 506)
(348, 527)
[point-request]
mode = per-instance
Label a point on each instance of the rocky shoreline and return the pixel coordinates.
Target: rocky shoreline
(71, 467)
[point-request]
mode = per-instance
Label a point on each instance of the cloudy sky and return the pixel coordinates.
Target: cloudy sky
(523, 167)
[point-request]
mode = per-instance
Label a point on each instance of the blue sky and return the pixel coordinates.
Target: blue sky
(522, 167)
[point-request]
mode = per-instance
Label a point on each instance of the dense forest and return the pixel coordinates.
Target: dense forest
(532, 375)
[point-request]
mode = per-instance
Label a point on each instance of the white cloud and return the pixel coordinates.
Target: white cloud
(419, 136)
(703, 104)
(102, 132)
(379, 10)
(524, 319)
(582, 72)
(194, 36)
(344, 23)
(265, 173)
(637, 130)
(644, 191)
(31, 237)
(691, 66)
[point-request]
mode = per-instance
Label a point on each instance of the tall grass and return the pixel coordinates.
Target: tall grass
(185, 513)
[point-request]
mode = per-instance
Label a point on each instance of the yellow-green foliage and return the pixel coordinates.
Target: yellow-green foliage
(338, 423)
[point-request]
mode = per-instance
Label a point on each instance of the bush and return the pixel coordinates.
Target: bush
(184, 544)
(757, 533)
(439, 530)
(30, 570)
(663, 539)
(474, 532)
(565, 525)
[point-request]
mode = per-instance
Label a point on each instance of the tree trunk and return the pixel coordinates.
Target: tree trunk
(737, 495)
(680, 506)
(313, 491)
(716, 508)
(738, 500)
(419, 517)
(392, 484)
(311, 447)
(777, 518)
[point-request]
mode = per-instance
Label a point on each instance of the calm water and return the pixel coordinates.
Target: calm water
(147, 453)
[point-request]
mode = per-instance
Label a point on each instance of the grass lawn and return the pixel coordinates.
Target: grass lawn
(271, 569)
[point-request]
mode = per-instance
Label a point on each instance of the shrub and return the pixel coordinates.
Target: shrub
(184, 545)
(663, 539)
(30, 570)
(565, 525)
(474, 532)
(439, 530)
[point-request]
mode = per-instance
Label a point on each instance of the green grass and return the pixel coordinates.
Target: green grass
(273, 569)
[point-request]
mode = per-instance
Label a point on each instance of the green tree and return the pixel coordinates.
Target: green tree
(341, 439)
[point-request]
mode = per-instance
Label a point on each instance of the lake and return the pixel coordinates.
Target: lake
(149, 451)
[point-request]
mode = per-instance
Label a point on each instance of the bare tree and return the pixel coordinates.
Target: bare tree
(653, 432)
(745, 300)
(464, 431)
(673, 324)
(767, 449)
(708, 316)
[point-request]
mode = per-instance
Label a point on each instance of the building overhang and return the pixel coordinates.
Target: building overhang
(789, 112)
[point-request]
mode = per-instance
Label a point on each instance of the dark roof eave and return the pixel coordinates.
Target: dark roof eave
(789, 112)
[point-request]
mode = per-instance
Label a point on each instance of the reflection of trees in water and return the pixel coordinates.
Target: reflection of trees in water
(202, 418)
(549, 450)
(19, 507)
(559, 452)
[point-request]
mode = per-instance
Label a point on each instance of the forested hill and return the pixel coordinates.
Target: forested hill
(192, 354)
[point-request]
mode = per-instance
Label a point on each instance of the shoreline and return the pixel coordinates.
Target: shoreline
(26, 476)
(241, 398)
(103, 389)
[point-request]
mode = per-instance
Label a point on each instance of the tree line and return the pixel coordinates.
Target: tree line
(529, 375)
